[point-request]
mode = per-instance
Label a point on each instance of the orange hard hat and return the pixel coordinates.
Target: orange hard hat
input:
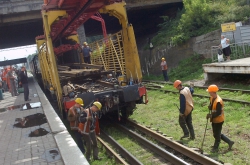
(177, 83)
(212, 88)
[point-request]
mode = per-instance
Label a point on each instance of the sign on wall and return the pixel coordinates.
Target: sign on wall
(228, 27)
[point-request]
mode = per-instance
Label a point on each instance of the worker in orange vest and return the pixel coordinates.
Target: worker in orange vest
(89, 127)
(217, 117)
(164, 68)
(73, 115)
(4, 78)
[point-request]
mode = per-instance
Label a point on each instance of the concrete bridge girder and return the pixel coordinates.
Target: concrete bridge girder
(15, 6)
(21, 21)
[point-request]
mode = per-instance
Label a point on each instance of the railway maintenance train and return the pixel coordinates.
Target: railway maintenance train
(59, 63)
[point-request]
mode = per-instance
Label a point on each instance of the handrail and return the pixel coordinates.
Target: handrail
(239, 50)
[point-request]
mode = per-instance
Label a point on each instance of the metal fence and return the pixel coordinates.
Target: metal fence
(109, 53)
(239, 50)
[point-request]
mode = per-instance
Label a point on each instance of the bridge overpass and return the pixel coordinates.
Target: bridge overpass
(21, 22)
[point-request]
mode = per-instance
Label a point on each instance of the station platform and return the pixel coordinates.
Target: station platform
(214, 70)
(31, 133)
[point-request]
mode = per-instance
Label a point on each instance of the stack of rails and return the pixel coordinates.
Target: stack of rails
(76, 72)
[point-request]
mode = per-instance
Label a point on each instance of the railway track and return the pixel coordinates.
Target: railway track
(178, 154)
(159, 88)
(201, 87)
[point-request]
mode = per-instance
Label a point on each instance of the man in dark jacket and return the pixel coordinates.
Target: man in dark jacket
(186, 108)
(24, 82)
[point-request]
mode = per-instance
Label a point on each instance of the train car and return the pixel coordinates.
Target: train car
(114, 75)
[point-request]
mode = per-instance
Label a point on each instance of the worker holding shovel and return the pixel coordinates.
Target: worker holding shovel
(217, 118)
(186, 108)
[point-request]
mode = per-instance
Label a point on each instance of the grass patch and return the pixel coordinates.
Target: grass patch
(161, 113)
(188, 69)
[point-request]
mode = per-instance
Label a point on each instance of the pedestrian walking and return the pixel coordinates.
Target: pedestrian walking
(89, 126)
(186, 108)
(86, 53)
(24, 82)
(216, 116)
(73, 115)
(164, 68)
(225, 47)
(11, 77)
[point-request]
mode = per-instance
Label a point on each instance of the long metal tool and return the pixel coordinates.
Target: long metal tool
(203, 138)
(201, 149)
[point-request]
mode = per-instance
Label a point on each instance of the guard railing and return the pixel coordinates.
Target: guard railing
(239, 50)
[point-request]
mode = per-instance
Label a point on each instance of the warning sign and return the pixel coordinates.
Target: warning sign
(228, 27)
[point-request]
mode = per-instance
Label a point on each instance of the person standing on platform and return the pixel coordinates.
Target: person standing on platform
(216, 106)
(225, 47)
(86, 53)
(164, 68)
(186, 108)
(4, 79)
(89, 126)
(73, 115)
(11, 77)
(24, 82)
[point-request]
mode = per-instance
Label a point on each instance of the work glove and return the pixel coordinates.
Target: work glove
(89, 118)
(209, 107)
(209, 116)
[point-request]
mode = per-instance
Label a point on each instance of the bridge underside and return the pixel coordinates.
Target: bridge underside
(144, 19)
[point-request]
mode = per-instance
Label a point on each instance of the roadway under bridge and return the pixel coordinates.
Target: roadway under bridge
(21, 22)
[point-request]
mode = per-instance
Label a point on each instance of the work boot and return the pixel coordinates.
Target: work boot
(216, 146)
(192, 138)
(228, 141)
(98, 158)
(185, 136)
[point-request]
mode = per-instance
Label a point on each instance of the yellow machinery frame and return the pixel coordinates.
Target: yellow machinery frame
(132, 61)
(127, 57)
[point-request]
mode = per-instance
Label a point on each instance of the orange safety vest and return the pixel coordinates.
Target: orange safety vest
(73, 124)
(4, 78)
(219, 118)
(84, 128)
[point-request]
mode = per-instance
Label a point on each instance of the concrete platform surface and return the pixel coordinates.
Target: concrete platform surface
(214, 70)
(240, 66)
(31, 133)
(237, 62)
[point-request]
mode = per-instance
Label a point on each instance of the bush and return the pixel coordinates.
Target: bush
(199, 17)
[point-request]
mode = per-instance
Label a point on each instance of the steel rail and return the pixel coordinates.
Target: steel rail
(111, 152)
(127, 155)
(176, 146)
(198, 95)
(202, 87)
(155, 148)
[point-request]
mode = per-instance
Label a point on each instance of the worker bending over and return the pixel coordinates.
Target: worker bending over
(73, 115)
(88, 127)
(217, 118)
(186, 108)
